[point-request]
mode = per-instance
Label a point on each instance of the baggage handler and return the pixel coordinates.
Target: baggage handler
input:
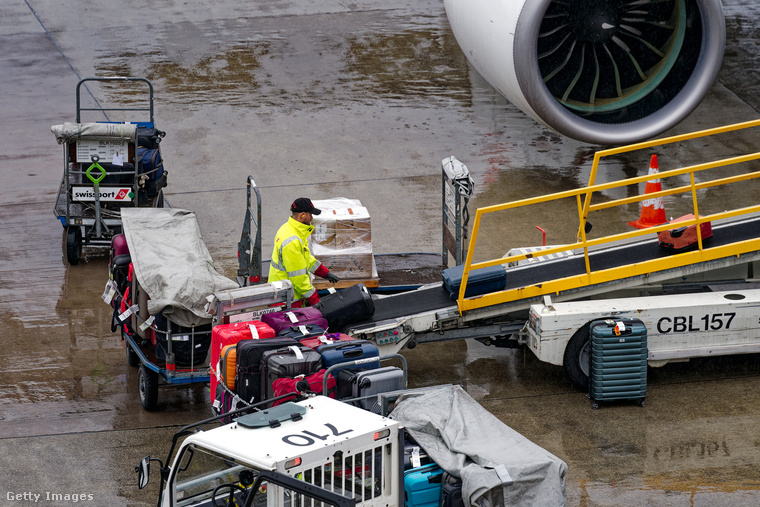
(291, 257)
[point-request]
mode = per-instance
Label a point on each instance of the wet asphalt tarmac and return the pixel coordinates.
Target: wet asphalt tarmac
(322, 99)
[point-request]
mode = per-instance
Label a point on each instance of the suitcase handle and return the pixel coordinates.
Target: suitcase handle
(677, 233)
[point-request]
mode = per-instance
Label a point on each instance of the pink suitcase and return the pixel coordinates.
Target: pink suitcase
(229, 334)
(294, 317)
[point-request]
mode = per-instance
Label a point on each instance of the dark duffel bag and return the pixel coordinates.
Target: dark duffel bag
(126, 178)
(149, 137)
(189, 345)
(346, 306)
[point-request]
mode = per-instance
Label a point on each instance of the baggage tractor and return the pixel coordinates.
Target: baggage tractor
(422, 486)
(230, 334)
(451, 491)
(346, 306)
(342, 352)
(618, 360)
(479, 281)
(325, 339)
(294, 317)
(286, 362)
(369, 383)
(303, 383)
(683, 238)
(190, 345)
(302, 332)
(248, 376)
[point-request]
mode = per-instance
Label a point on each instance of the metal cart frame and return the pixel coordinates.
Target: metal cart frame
(88, 207)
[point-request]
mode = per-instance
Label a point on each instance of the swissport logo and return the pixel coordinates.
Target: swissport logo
(110, 194)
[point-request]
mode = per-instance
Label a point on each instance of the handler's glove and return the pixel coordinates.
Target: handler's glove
(332, 278)
(313, 299)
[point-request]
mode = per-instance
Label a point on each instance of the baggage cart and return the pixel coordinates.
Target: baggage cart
(103, 168)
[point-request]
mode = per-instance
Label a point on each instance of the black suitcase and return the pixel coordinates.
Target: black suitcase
(189, 345)
(479, 281)
(288, 362)
(346, 306)
(451, 491)
(618, 360)
(248, 375)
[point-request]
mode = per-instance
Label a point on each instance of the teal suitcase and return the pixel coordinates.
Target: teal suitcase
(618, 360)
(422, 486)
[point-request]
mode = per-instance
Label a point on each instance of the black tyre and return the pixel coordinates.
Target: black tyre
(147, 387)
(577, 359)
(132, 358)
(73, 244)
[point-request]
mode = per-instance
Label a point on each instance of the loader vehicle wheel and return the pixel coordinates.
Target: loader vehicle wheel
(73, 236)
(147, 387)
(577, 359)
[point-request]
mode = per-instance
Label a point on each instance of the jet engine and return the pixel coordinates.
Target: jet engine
(600, 71)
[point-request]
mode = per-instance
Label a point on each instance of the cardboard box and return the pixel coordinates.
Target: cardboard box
(349, 263)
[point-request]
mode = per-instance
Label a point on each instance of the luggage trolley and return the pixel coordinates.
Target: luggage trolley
(107, 165)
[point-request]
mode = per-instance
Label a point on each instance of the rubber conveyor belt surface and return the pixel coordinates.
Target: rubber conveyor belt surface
(435, 297)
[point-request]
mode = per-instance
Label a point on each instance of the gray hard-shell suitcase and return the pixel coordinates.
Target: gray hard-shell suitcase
(366, 384)
(287, 362)
(618, 360)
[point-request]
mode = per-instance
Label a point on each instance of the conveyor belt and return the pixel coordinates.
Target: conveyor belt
(435, 297)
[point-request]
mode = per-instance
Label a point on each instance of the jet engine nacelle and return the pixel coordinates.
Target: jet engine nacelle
(600, 71)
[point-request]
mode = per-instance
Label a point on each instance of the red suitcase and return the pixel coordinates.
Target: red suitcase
(325, 339)
(294, 317)
(229, 334)
(683, 238)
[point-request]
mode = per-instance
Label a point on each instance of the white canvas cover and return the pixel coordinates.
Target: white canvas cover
(172, 263)
(72, 131)
(498, 466)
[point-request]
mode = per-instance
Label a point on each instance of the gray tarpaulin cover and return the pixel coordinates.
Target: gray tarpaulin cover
(172, 263)
(498, 466)
(72, 131)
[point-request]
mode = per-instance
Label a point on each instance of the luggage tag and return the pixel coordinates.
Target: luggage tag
(145, 325)
(619, 328)
(331, 290)
(109, 292)
(292, 316)
(326, 339)
(415, 458)
(297, 352)
(303, 330)
(128, 312)
(254, 331)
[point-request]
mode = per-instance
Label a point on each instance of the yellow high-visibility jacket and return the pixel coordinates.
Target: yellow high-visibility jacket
(292, 259)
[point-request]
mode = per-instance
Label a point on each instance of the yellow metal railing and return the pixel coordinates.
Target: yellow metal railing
(584, 204)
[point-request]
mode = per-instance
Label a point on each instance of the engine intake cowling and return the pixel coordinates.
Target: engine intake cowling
(600, 71)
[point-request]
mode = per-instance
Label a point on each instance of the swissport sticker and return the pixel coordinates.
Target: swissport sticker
(109, 194)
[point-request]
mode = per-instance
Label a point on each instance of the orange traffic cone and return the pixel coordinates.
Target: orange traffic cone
(652, 210)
